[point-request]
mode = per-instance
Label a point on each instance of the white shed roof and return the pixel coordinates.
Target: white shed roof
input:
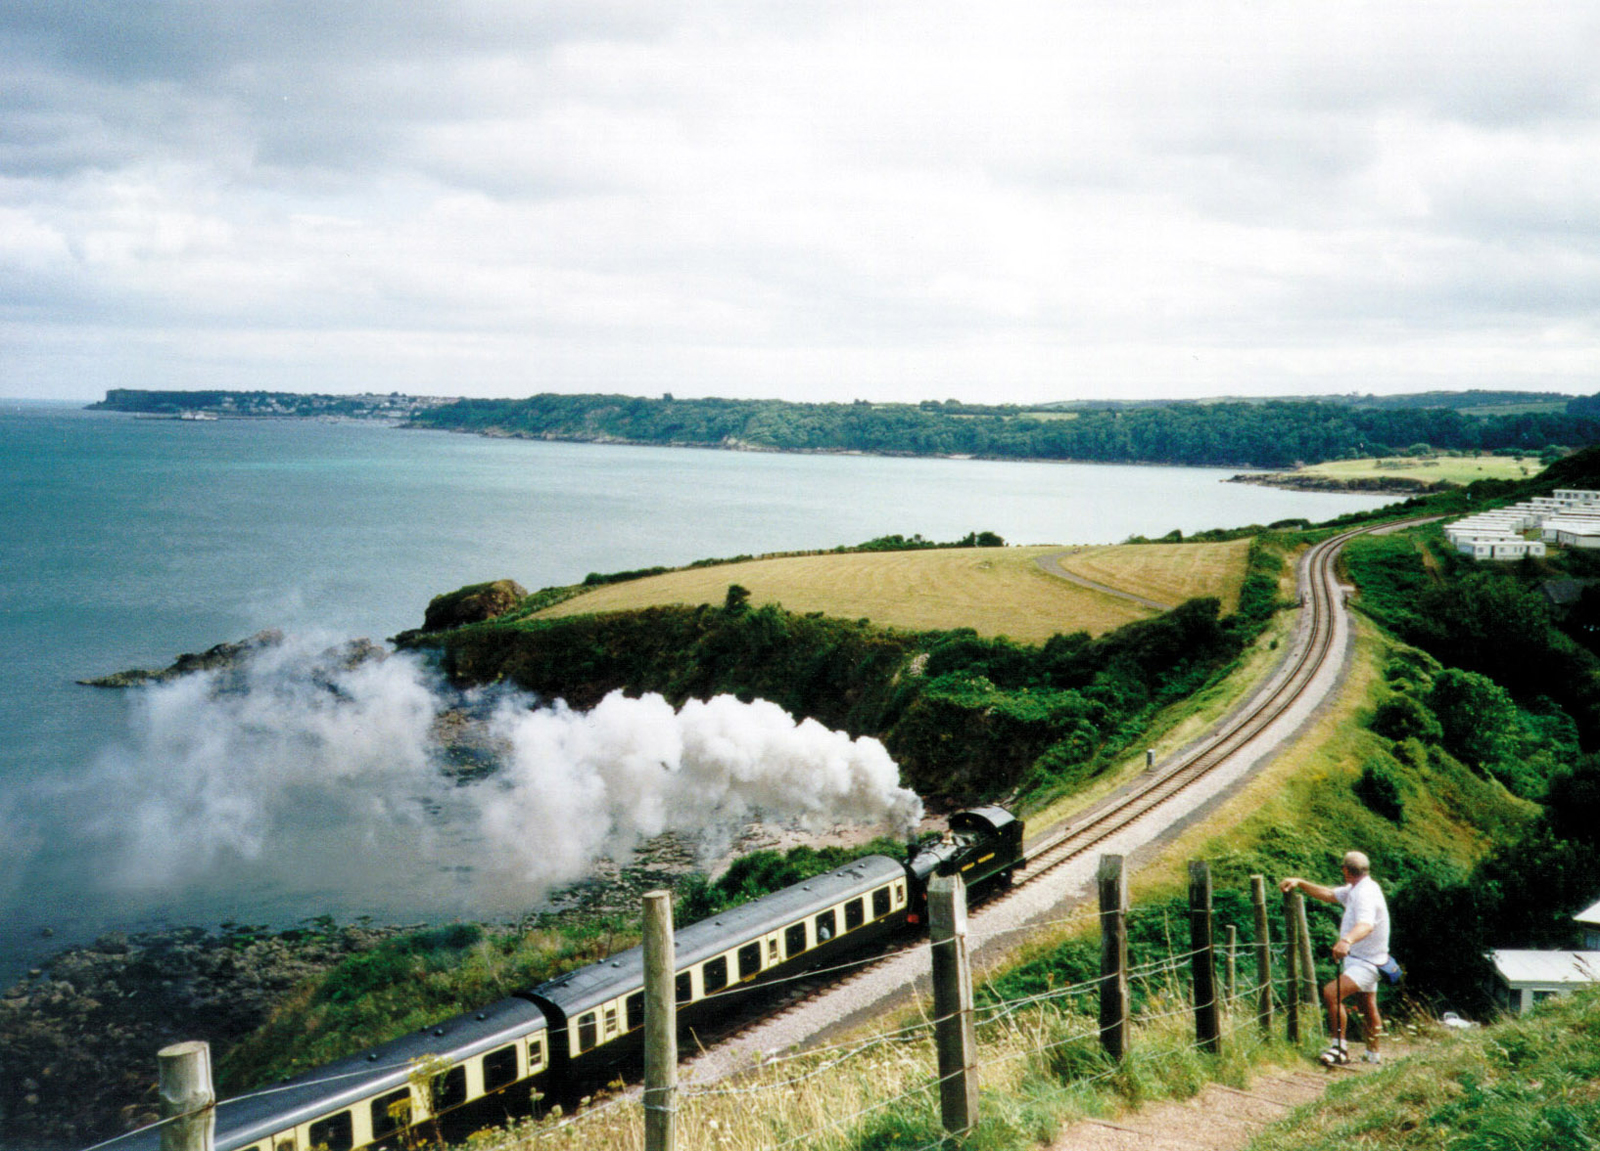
(1589, 915)
(1523, 967)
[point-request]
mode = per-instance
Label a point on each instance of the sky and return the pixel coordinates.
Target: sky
(1005, 202)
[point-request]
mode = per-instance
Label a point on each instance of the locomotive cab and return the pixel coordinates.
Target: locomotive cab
(992, 841)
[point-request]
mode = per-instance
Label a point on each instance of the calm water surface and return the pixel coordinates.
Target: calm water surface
(127, 541)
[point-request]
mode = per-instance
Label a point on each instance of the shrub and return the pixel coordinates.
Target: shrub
(1403, 717)
(1379, 791)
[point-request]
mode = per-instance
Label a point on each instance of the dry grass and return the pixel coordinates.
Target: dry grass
(995, 591)
(1456, 469)
(1188, 719)
(1166, 573)
(1039, 1068)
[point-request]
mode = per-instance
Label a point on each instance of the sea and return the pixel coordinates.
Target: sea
(126, 541)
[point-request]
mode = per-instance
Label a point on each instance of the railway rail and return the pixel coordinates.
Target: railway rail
(812, 1014)
(1281, 693)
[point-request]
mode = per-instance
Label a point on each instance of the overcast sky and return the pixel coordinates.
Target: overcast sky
(830, 201)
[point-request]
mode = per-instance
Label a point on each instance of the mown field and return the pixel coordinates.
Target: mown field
(1166, 573)
(994, 591)
(1456, 469)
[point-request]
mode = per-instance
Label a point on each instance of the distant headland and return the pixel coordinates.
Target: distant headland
(1276, 433)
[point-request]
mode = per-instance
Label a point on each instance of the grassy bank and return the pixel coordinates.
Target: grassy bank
(1528, 1084)
(993, 591)
(1429, 469)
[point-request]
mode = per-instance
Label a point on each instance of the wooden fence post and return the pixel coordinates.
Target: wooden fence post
(1207, 1020)
(660, 1025)
(1308, 966)
(953, 1032)
(187, 1098)
(1291, 963)
(1113, 879)
(1232, 961)
(1263, 946)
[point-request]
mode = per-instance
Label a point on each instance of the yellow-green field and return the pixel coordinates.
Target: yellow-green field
(1166, 573)
(995, 591)
(1456, 469)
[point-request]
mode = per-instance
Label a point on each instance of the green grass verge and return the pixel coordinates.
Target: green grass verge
(1528, 1084)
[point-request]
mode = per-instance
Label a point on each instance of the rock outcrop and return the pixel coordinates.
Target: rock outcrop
(222, 656)
(472, 604)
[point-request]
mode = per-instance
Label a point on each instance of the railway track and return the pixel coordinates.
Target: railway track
(1323, 596)
(825, 1005)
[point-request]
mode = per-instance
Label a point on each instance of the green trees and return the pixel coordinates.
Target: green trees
(1276, 433)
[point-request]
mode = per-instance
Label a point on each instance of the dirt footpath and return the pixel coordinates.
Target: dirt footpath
(1218, 1119)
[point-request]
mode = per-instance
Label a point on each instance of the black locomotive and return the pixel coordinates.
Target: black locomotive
(585, 1028)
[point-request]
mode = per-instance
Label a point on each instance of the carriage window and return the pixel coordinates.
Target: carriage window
(450, 1089)
(635, 1010)
(749, 960)
(794, 939)
(535, 1054)
(714, 975)
(586, 1031)
(685, 988)
(827, 925)
(336, 1132)
(899, 893)
(855, 914)
(880, 903)
(499, 1068)
(611, 1021)
(391, 1113)
(772, 950)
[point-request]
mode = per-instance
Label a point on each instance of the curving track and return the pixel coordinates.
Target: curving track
(1060, 867)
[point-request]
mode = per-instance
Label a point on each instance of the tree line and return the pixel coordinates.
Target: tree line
(1270, 434)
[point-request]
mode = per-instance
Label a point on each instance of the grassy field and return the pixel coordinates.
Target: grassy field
(995, 591)
(1456, 469)
(1169, 573)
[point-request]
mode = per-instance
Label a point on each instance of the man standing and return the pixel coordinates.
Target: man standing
(1362, 948)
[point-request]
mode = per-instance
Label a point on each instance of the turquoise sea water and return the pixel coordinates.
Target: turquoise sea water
(128, 541)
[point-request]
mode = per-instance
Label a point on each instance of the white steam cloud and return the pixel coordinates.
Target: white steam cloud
(298, 771)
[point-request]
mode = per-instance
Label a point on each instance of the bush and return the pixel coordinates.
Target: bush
(1403, 717)
(1378, 789)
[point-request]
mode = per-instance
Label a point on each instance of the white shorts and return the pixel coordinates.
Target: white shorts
(1363, 973)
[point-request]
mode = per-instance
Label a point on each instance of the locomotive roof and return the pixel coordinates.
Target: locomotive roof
(982, 819)
(329, 1088)
(578, 991)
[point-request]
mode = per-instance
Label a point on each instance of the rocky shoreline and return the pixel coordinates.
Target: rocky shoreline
(1305, 482)
(79, 1034)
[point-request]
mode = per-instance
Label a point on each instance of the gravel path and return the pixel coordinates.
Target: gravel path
(1217, 1119)
(1066, 891)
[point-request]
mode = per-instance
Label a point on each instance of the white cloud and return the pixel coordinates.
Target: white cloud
(1025, 201)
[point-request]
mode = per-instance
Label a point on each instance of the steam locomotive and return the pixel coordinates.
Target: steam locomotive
(585, 1028)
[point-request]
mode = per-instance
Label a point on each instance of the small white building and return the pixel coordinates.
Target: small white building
(1498, 547)
(1589, 920)
(1523, 978)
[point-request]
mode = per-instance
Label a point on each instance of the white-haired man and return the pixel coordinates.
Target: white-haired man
(1361, 949)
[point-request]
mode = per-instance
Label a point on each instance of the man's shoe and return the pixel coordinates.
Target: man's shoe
(1372, 1057)
(1335, 1056)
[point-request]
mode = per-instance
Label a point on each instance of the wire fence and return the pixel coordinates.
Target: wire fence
(1055, 1032)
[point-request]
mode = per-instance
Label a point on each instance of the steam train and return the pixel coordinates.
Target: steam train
(585, 1028)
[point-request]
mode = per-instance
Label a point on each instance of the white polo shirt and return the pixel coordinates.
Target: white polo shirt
(1363, 902)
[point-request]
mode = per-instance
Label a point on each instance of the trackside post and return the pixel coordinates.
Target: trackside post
(188, 1101)
(954, 1033)
(660, 1025)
